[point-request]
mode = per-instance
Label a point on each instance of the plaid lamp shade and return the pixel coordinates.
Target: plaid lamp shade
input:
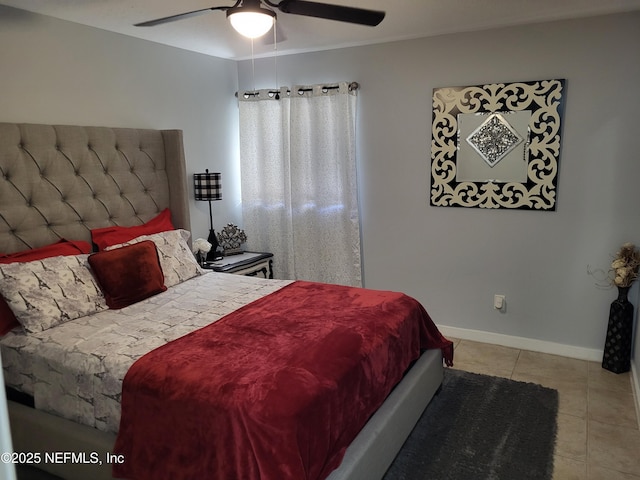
(207, 186)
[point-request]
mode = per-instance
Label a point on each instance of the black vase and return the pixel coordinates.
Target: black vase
(617, 347)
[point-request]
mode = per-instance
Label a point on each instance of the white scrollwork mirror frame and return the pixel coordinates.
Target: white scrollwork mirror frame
(541, 149)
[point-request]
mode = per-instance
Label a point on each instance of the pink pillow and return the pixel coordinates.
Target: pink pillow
(8, 320)
(107, 236)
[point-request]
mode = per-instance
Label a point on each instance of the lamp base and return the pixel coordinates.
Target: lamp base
(213, 240)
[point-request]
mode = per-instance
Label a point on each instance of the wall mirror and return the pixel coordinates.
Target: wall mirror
(497, 145)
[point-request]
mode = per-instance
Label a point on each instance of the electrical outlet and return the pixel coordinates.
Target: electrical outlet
(498, 302)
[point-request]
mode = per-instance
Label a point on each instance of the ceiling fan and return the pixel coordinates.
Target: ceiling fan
(253, 19)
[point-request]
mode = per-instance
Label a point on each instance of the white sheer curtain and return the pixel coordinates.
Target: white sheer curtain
(299, 186)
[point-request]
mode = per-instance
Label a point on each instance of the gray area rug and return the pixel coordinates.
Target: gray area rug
(480, 427)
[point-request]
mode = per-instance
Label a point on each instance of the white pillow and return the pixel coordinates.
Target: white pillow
(45, 293)
(176, 259)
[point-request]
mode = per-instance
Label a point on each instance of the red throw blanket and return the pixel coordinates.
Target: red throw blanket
(276, 390)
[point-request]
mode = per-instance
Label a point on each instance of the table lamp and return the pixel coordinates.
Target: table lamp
(207, 186)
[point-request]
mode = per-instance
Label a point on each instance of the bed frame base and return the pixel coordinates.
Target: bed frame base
(373, 450)
(36, 431)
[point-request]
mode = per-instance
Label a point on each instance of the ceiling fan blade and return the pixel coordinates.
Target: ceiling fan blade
(360, 16)
(180, 16)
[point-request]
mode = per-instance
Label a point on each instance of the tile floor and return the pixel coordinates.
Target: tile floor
(598, 432)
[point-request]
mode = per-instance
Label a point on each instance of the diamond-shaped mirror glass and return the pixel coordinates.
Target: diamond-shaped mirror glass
(494, 139)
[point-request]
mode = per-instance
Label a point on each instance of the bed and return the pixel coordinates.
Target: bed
(63, 182)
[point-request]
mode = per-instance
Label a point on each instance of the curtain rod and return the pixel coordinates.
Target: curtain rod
(352, 86)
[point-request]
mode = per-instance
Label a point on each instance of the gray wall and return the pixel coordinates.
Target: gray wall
(64, 73)
(455, 259)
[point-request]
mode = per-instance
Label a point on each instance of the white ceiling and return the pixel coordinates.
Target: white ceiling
(211, 34)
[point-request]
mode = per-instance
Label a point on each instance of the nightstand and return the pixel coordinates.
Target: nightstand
(245, 263)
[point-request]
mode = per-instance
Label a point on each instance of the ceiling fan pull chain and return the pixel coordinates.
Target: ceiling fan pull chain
(275, 58)
(253, 67)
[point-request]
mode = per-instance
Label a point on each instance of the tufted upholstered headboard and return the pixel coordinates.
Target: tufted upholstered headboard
(59, 181)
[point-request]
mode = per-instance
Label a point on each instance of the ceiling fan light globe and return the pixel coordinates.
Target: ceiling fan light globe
(252, 24)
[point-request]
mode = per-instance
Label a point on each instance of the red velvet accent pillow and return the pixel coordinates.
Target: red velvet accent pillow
(8, 320)
(128, 274)
(107, 236)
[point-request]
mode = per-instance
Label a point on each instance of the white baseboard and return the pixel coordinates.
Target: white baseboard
(522, 343)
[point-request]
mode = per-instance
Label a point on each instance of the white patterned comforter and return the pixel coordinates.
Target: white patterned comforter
(75, 370)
